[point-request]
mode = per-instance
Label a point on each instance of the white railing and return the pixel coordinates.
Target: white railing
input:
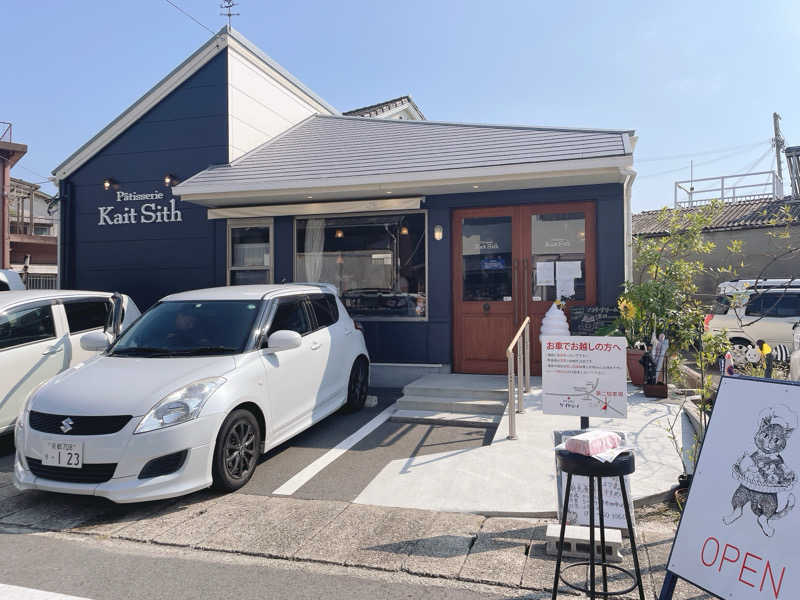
(520, 382)
(740, 187)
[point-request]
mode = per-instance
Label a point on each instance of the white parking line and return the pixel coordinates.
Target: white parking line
(304, 476)
(12, 592)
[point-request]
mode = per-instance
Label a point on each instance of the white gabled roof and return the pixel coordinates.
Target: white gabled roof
(227, 37)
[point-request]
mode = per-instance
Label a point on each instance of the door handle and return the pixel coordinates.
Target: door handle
(515, 291)
(53, 350)
(315, 345)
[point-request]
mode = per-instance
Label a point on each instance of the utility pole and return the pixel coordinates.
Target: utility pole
(779, 144)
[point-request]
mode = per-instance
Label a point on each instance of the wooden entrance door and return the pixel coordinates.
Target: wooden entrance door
(496, 280)
(559, 262)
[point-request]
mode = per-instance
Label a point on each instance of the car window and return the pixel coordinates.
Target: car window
(325, 309)
(190, 327)
(721, 305)
(3, 286)
(24, 325)
(763, 305)
(86, 314)
(291, 316)
(788, 306)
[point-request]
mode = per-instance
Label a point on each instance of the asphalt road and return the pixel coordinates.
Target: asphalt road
(346, 476)
(98, 570)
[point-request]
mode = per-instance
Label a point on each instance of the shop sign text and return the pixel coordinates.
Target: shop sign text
(154, 209)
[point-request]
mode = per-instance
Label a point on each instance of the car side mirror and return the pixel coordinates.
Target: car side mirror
(283, 340)
(95, 341)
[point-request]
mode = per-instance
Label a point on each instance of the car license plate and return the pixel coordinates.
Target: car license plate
(63, 454)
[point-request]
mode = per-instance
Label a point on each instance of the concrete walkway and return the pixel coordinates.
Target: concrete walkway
(504, 552)
(517, 478)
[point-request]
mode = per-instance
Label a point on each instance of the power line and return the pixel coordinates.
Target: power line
(705, 152)
(699, 164)
(190, 16)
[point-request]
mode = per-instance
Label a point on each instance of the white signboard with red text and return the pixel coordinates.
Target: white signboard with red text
(738, 536)
(584, 376)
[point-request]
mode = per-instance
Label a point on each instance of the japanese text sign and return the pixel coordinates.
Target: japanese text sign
(584, 376)
(738, 533)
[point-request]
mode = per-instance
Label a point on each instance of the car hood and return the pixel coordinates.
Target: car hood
(115, 385)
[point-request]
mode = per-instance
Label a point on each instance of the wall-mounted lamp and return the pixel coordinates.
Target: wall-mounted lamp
(404, 230)
(170, 180)
(339, 233)
(108, 183)
(438, 232)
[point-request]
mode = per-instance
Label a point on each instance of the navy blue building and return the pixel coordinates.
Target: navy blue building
(441, 237)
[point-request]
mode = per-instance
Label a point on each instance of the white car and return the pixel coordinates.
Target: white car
(39, 337)
(752, 315)
(193, 393)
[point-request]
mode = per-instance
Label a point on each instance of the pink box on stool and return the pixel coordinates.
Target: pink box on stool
(594, 442)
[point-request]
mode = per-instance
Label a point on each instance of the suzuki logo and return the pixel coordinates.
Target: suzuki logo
(66, 425)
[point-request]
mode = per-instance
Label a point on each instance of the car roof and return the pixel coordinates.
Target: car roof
(251, 292)
(8, 298)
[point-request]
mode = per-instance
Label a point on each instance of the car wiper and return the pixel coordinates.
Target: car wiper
(141, 351)
(204, 350)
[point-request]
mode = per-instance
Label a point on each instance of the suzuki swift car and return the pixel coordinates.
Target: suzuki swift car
(193, 393)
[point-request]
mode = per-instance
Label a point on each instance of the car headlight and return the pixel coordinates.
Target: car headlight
(180, 406)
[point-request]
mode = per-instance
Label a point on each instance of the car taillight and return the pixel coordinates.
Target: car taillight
(707, 320)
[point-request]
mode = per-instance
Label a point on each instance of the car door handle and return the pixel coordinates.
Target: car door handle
(53, 350)
(315, 345)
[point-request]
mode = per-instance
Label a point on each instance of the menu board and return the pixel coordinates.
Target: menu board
(587, 320)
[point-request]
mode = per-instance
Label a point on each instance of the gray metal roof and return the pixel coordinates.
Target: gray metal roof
(750, 214)
(335, 147)
(375, 110)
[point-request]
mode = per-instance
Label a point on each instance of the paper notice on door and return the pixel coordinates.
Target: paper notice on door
(544, 273)
(568, 269)
(565, 288)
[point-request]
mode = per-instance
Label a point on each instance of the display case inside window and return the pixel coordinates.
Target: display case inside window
(250, 259)
(377, 262)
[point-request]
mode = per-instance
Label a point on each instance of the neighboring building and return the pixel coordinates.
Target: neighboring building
(748, 221)
(10, 153)
(441, 237)
(402, 108)
(33, 227)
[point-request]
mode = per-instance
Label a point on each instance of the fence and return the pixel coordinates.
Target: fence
(40, 281)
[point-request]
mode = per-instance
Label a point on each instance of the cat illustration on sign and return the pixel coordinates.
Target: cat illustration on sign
(762, 473)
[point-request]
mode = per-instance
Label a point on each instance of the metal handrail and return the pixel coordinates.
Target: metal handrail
(520, 382)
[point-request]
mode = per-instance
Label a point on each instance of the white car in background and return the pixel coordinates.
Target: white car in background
(754, 314)
(193, 393)
(40, 333)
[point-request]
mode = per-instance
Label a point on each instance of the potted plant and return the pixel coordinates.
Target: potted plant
(630, 325)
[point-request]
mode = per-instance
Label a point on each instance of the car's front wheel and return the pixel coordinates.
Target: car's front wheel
(357, 385)
(237, 451)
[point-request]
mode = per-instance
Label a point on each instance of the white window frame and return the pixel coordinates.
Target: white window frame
(243, 223)
(372, 214)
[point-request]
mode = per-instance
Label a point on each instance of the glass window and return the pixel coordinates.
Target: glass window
(377, 262)
(325, 309)
(25, 325)
(250, 259)
(558, 257)
(291, 316)
(186, 328)
(774, 305)
(86, 314)
(486, 258)
(721, 305)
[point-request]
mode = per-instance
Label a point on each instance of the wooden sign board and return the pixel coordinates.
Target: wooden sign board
(578, 509)
(584, 376)
(588, 320)
(738, 535)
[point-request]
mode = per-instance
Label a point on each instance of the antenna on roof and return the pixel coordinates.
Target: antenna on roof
(227, 5)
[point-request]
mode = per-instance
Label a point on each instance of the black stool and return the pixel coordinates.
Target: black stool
(577, 464)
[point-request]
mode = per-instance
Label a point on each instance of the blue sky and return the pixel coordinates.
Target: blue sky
(695, 80)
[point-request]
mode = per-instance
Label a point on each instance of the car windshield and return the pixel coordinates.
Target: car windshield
(189, 329)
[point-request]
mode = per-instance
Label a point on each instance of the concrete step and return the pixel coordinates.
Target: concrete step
(469, 405)
(432, 417)
(460, 386)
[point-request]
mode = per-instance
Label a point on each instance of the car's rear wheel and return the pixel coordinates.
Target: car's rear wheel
(237, 451)
(357, 385)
